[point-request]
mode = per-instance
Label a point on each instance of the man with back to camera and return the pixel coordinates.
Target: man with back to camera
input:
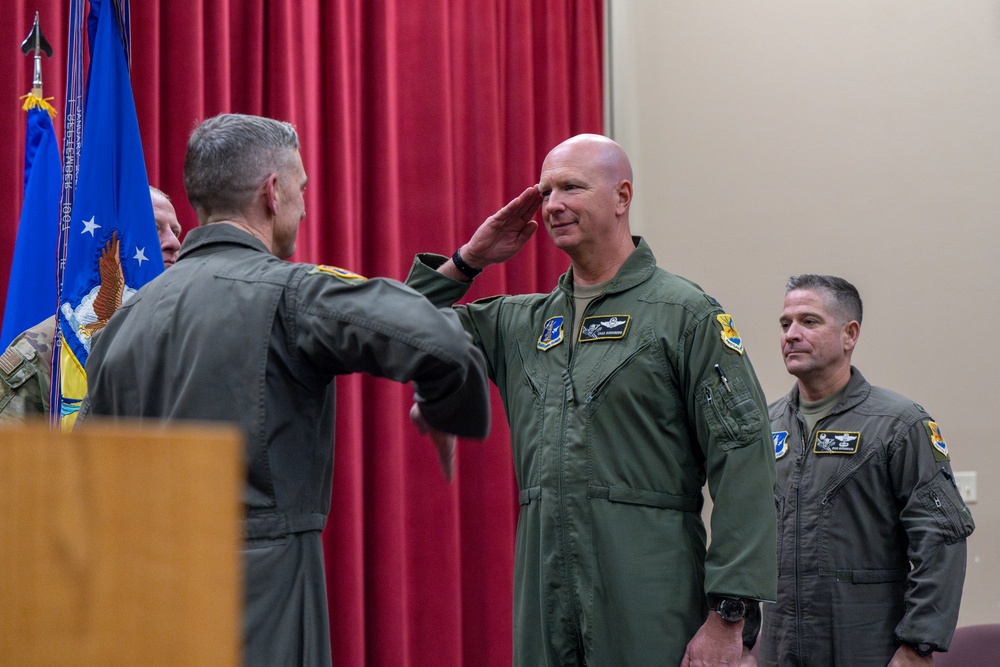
(233, 333)
(625, 389)
(871, 525)
(26, 365)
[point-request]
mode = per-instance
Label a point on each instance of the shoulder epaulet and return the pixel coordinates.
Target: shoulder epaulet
(487, 299)
(343, 274)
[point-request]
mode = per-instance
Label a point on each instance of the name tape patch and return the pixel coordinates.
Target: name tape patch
(837, 442)
(604, 327)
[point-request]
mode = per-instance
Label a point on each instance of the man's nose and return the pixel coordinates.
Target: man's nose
(552, 203)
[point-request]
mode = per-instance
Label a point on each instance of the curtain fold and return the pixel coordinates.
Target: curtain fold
(417, 120)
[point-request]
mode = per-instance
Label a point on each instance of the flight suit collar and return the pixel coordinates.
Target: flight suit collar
(855, 393)
(637, 269)
(218, 234)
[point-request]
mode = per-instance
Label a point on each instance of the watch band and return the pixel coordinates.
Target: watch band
(460, 264)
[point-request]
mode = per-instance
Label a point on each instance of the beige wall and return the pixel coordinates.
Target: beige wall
(859, 138)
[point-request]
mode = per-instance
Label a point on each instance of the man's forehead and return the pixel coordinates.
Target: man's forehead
(807, 301)
(562, 171)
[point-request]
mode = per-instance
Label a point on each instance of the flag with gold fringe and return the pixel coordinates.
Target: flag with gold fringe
(111, 244)
(31, 292)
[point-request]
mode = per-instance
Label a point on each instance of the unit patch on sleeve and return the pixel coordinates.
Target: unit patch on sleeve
(337, 272)
(837, 442)
(552, 333)
(780, 439)
(603, 327)
(937, 441)
(730, 336)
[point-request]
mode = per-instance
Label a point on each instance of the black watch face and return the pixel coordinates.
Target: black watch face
(732, 610)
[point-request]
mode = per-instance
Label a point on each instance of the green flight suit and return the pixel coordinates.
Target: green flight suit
(873, 530)
(613, 441)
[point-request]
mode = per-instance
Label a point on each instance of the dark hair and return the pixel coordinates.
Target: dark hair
(844, 295)
(229, 156)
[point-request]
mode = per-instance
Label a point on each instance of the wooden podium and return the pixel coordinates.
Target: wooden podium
(119, 545)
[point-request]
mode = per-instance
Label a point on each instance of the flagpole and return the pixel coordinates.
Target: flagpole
(72, 140)
(31, 288)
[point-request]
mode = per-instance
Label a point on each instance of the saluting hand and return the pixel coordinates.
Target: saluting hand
(505, 232)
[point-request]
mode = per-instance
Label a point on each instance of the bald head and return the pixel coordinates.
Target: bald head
(586, 186)
(602, 153)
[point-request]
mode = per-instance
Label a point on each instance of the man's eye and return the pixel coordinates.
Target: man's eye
(546, 193)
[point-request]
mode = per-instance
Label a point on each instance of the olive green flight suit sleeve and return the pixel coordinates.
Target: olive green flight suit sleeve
(936, 521)
(727, 410)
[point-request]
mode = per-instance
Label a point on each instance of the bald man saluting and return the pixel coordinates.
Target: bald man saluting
(626, 388)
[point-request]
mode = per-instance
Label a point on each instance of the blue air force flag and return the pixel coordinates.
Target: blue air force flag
(31, 292)
(112, 248)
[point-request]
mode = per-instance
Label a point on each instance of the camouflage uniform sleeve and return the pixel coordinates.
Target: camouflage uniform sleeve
(25, 375)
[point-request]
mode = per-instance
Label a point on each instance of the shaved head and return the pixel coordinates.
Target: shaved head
(602, 153)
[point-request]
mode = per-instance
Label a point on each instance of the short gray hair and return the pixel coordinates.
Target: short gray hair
(844, 295)
(229, 156)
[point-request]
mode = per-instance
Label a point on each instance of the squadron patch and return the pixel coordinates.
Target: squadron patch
(730, 336)
(552, 333)
(780, 439)
(837, 442)
(603, 327)
(937, 441)
(337, 272)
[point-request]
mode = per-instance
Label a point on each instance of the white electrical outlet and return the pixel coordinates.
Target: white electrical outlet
(966, 482)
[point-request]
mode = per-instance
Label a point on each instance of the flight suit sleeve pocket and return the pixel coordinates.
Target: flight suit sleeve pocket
(733, 417)
(941, 499)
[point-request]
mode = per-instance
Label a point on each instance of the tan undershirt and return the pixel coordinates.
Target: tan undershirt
(813, 411)
(582, 296)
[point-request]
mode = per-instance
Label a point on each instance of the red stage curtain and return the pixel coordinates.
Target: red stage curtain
(417, 120)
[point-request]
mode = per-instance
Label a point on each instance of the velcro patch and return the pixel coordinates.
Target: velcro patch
(780, 439)
(837, 442)
(603, 327)
(730, 336)
(10, 361)
(337, 272)
(938, 444)
(552, 333)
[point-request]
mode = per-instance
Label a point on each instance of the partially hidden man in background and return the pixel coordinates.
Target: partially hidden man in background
(871, 525)
(233, 333)
(626, 388)
(26, 364)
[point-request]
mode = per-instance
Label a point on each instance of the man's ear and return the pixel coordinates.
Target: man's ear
(271, 194)
(849, 335)
(624, 194)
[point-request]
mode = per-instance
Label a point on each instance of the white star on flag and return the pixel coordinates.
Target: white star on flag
(90, 226)
(140, 254)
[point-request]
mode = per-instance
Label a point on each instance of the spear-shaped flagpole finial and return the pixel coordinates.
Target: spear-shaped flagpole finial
(35, 41)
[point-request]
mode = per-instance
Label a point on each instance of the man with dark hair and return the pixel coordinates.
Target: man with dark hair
(233, 333)
(25, 367)
(871, 527)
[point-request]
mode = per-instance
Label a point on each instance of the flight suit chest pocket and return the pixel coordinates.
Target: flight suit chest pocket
(732, 415)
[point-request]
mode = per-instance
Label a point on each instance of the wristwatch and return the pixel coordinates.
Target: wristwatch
(923, 649)
(730, 609)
